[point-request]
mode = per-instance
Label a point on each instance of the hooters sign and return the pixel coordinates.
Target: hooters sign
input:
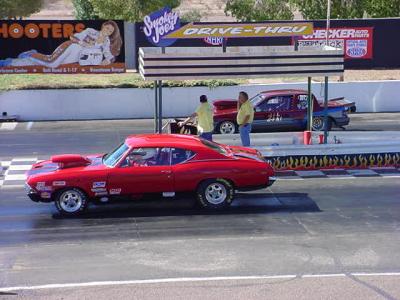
(61, 47)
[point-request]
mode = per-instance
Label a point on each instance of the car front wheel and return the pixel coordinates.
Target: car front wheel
(227, 127)
(215, 194)
(71, 202)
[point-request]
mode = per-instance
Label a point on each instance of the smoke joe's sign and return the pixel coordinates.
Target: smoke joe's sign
(159, 24)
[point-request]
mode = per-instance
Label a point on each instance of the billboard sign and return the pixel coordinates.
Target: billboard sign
(357, 42)
(61, 47)
(241, 30)
(159, 24)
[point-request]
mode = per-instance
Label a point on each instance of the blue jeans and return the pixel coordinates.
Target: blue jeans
(245, 134)
(206, 136)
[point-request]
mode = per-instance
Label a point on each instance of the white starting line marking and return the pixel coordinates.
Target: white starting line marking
(29, 125)
(8, 125)
(34, 159)
(186, 279)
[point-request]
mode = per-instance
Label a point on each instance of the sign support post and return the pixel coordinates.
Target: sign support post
(309, 106)
(159, 129)
(155, 106)
(326, 111)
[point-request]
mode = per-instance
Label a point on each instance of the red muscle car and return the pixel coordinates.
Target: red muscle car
(143, 164)
(282, 109)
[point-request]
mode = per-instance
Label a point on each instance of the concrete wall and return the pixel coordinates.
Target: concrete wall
(379, 96)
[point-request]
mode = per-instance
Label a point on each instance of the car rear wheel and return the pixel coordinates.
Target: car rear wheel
(227, 127)
(215, 194)
(318, 123)
(71, 201)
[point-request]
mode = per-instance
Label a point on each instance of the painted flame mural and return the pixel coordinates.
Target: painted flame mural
(345, 161)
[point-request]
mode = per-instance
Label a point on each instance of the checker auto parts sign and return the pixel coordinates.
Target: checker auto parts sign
(357, 42)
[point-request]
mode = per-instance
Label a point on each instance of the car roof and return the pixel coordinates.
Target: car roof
(284, 91)
(163, 140)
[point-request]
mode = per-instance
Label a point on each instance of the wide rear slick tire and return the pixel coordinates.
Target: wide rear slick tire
(227, 127)
(71, 201)
(215, 194)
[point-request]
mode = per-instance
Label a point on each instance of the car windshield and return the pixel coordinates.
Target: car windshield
(257, 99)
(114, 156)
(214, 146)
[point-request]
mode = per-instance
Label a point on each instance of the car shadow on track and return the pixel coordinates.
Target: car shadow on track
(244, 203)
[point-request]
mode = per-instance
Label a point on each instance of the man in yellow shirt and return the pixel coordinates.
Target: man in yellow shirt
(244, 118)
(205, 121)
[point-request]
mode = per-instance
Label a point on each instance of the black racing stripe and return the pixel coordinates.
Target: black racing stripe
(241, 57)
(245, 66)
(243, 73)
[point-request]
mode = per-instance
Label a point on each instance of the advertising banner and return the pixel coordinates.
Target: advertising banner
(159, 24)
(64, 47)
(241, 30)
(357, 42)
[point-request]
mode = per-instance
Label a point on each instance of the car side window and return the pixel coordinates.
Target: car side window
(302, 102)
(278, 103)
(179, 155)
(147, 157)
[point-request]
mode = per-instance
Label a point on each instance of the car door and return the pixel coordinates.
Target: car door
(274, 112)
(152, 174)
(300, 110)
(186, 175)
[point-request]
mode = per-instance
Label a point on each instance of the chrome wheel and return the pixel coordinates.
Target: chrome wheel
(227, 127)
(71, 201)
(215, 193)
(318, 123)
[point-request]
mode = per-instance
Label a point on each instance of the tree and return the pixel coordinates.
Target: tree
(382, 8)
(191, 16)
(13, 9)
(129, 10)
(84, 10)
(340, 9)
(259, 10)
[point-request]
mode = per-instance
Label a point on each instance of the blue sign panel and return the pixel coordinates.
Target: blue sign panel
(159, 24)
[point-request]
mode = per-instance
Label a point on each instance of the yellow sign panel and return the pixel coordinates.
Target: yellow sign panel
(197, 31)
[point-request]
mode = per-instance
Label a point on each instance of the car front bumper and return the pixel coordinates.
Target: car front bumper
(35, 197)
(342, 121)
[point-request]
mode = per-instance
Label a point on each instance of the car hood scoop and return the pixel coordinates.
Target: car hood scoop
(70, 160)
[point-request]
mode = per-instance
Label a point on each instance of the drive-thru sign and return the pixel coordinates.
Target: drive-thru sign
(240, 30)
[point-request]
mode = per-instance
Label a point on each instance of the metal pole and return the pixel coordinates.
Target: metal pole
(155, 106)
(326, 111)
(328, 21)
(309, 106)
(160, 106)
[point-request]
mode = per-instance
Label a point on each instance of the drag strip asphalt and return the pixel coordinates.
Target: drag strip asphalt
(314, 226)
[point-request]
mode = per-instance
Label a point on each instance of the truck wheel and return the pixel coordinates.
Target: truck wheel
(318, 123)
(226, 127)
(71, 201)
(215, 194)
